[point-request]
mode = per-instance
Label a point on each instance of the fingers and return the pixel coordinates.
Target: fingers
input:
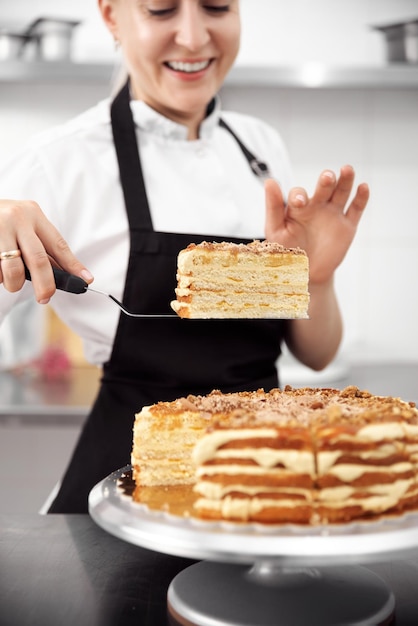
(357, 206)
(343, 186)
(326, 187)
(23, 226)
(11, 274)
(275, 208)
(298, 198)
(60, 253)
(329, 189)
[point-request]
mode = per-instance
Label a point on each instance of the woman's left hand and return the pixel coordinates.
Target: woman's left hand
(322, 225)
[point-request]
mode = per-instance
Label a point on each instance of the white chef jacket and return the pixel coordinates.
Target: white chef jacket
(203, 186)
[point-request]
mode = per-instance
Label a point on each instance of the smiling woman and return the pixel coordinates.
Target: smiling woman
(177, 52)
(126, 185)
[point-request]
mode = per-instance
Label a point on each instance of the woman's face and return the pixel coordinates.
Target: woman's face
(177, 52)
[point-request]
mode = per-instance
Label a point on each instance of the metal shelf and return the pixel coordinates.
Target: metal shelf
(54, 72)
(305, 76)
(320, 76)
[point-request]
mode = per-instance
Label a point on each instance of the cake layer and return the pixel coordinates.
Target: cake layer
(164, 437)
(225, 280)
(207, 305)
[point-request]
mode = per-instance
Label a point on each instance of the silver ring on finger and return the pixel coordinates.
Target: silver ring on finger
(10, 254)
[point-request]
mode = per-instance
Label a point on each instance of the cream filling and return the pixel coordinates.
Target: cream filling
(378, 432)
(330, 495)
(411, 429)
(247, 470)
(205, 448)
(216, 491)
(345, 472)
(342, 493)
(374, 432)
(243, 508)
(327, 458)
(348, 472)
(300, 461)
(384, 498)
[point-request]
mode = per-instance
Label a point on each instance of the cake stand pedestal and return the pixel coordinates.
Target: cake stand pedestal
(224, 594)
(258, 575)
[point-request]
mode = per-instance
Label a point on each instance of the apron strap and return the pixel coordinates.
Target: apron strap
(258, 167)
(130, 170)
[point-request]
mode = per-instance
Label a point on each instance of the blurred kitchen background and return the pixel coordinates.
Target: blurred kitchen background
(337, 90)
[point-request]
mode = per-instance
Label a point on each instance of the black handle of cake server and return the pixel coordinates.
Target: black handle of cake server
(64, 281)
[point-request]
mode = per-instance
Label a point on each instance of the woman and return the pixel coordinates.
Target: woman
(128, 188)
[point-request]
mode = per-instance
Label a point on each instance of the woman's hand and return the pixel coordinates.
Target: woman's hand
(322, 225)
(24, 227)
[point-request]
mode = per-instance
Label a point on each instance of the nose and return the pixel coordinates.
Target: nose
(192, 32)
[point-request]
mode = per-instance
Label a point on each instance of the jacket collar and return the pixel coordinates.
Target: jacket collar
(149, 120)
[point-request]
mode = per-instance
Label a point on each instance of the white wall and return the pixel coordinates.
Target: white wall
(374, 130)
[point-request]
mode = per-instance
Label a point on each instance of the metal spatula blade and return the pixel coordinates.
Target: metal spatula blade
(65, 281)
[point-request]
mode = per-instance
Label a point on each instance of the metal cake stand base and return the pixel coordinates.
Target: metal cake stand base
(222, 594)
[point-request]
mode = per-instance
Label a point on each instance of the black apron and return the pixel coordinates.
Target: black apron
(158, 359)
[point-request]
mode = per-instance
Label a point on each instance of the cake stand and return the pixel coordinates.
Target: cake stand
(259, 575)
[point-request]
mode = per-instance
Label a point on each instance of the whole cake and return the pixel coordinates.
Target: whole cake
(226, 280)
(307, 456)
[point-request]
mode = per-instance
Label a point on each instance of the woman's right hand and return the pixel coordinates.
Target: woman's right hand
(24, 227)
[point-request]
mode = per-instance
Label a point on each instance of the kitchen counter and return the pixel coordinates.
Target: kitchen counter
(30, 397)
(40, 422)
(64, 569)
(26, 398)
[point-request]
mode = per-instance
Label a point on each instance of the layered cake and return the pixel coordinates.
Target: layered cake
(305, 456)
(226, 280)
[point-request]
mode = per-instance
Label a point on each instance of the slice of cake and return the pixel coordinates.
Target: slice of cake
(227, 280)
(294, 456)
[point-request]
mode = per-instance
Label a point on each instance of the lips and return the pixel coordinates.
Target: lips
(188, 67)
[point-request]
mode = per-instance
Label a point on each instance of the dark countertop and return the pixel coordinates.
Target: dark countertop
(58, 570)
(61, 570)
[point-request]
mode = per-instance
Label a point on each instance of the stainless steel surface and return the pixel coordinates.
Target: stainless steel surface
(127, 311)
(310, 75)
(25, 397)
(318, 75)
(292, 545)
(29, 398)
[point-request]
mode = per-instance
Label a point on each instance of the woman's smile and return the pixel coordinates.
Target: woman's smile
(188, 67)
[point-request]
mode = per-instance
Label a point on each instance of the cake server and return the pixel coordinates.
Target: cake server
(65, 281)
